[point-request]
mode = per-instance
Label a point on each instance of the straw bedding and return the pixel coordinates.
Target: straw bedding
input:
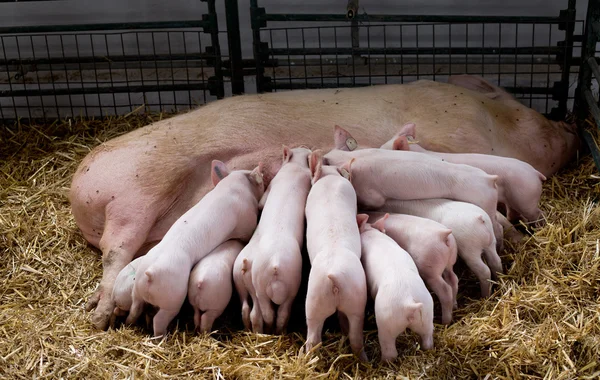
(542, 321)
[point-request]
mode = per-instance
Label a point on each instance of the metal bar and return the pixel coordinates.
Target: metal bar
(594, 67)
(593, 147)
(301, 85)
(255, 23)
(406, 18)
(591, 102)
(568, 55)
(588, 51)
(235, 46)
(106, 26)
(103, 90)
(541, 50)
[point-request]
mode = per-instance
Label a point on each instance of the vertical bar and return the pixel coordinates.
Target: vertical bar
(482, 47)
(369, 51)
(548, 67)
(201, 64)
(9, 77)
(401, 57)
(354, 36)
(450, 49)
(37, 76)
(588, 50)
(137, 42)
(568, 56)
(516, 46)
(187, 69)
(532, 64)
(499, 54)
(337, 68)
(417, 50)
(273, 72)
(256, 45)
(96, 74)
(304, 50)
(126, 74)
(216, 47)
(287, 45)
(385, 55)
(433, 48)
(80, 76)
(320, 54)
(52, 76)
(23, 77)
(235, 46)
(172, 70)
(160, 106)
(467, 49)
(352, 58)
(110, 73)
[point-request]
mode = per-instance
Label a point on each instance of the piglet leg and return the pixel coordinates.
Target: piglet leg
(444, 293)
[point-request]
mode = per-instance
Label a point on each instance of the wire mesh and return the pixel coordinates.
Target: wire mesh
(524, 58)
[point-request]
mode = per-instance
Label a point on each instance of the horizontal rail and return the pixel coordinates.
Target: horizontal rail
(106, 26)
(441, 50)
(107, 59)
(284, 84)
(410, 18)
(105, 90)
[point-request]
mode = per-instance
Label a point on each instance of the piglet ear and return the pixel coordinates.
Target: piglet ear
(343, 140)
(413, 311)
(256, 176)
(400, 143)
(408, 130)
(380, 223)
(446, 236)
(315, 163)
(218, 171)
(361, 219)
(287, 154)
(346, 169)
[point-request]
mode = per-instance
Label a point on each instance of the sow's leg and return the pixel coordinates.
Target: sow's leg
(124, 234)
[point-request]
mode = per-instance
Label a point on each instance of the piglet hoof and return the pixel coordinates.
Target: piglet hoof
(363, 356)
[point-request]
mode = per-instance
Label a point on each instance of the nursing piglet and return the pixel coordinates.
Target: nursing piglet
(121, 293)
(210, 284)
(433, 249)
(337, 279)
(272, 260)
(471, 227)
(229, 211)
(519, 184)
(379, 175)
(401, 297)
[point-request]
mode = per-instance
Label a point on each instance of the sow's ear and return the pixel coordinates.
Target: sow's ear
(218, 171)
(478, 84)
(343, 140)
(315, 163)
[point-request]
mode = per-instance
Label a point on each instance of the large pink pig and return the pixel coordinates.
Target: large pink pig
(519, 184)
(337, 280)
(128, 191)
(210, 285)
(272, 260)
(229, 211)
(470, 226)
(379, 175)
(433, 249)
(401, 297)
